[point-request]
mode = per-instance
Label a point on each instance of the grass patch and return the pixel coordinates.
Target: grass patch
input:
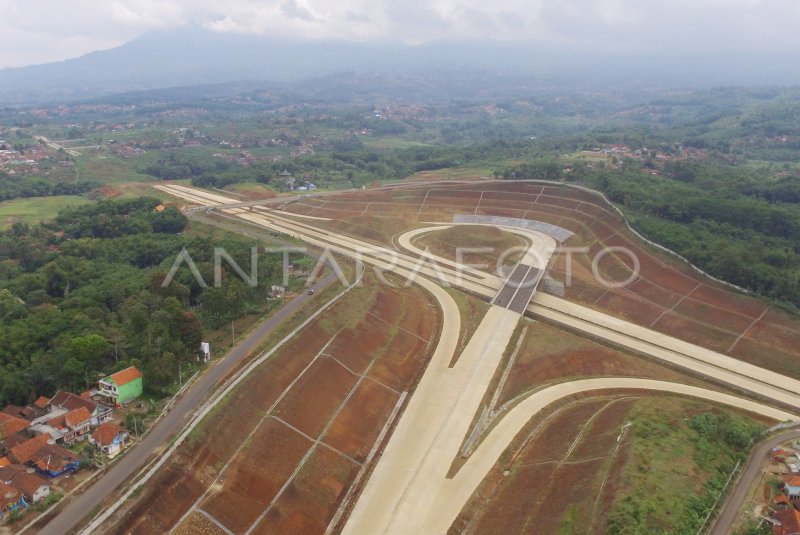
(590, 155)
(677, 466)
(252, 190)
(108, 169)
(347, 317)
(392, 143)
(33, 210)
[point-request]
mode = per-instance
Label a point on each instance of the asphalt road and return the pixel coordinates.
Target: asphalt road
(733, 505)
(83, 504)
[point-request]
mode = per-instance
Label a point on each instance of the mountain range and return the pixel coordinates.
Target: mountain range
(194, 56)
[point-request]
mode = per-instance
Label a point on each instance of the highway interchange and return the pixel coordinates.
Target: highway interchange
(409, 490)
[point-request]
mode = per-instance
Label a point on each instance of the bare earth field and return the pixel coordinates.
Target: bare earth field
(548, 354)
(553, 462)
(279, 454)
(497, 244)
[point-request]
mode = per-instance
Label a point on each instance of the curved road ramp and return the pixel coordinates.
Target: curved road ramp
(409, 491)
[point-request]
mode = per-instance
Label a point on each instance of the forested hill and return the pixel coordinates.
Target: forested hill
(81, 297)
(735, 223)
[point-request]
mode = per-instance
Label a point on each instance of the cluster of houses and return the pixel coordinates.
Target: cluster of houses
(785, 510)
(13, 161)
(35, 439)
(291, 183)
(785, 518)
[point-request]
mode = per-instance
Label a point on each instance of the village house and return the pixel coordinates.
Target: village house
(121, 387)
(24, 452)
(46, 457)
(33, 487)
(788, 522)
(78, 422)
(11, 425)
(14, 440)
(10, 500)
(66, 427)
(109, 438)
(67, 401)
(53, 461)
(287, 179)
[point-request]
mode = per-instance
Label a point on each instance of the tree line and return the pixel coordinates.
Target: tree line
(82, 297)
(35, 186)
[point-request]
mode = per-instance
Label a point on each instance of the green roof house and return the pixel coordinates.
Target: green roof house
(122, 387)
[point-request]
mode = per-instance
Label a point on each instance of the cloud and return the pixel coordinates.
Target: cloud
(45, 30)
(293, 10)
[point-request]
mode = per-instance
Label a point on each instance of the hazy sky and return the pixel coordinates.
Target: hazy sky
(38, 31)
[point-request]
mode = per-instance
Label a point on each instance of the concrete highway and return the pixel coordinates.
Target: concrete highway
(121, 471)
(676, 352)
(56, 146)
(413, 467)
(699, 360)
(408, 491)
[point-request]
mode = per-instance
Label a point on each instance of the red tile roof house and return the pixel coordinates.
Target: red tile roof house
(13, 410)
(109, 438)
(28, 412)
(35, 488)
(49, 460)
(67, 400)
(62, 426)
(11, 425)
(122, 387)
(10, 499)
(789, 520)
(14, 440)
(78, 423)
(24, 452)
(53, 460)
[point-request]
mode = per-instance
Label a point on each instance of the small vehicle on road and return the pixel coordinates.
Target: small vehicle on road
(311, 291)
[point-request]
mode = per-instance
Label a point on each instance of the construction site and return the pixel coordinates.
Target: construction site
(448, 393)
